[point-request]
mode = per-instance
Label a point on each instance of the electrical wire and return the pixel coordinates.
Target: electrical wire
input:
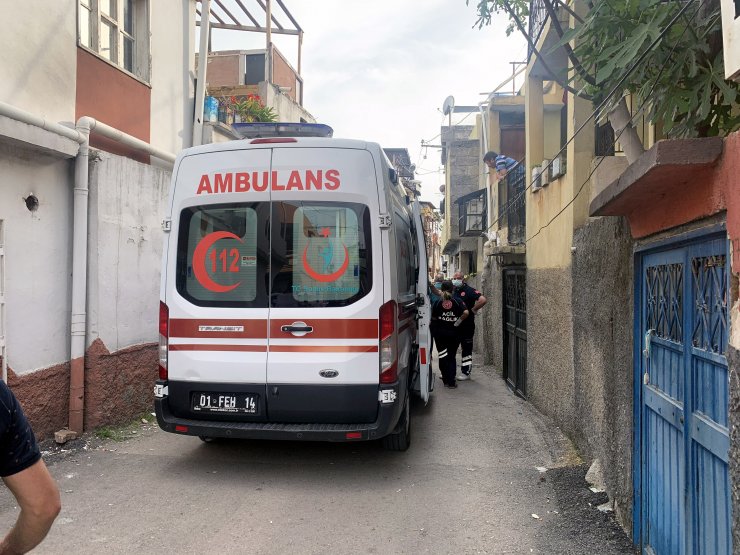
(599, 109)
(616, 139)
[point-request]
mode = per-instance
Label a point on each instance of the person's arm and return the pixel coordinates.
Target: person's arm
(480, 303)
(462, 317)
(38, 497)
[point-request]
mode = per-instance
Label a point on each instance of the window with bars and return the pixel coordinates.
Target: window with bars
(118, 31)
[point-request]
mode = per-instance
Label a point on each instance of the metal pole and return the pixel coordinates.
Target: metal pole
(268, 46)
(200, 89)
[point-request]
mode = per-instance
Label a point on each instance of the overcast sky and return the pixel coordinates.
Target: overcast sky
(380, 70)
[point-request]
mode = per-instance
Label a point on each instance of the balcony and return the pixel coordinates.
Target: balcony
(512, 207)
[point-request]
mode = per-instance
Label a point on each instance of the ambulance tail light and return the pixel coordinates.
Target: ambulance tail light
(164, 336)
(388, 333)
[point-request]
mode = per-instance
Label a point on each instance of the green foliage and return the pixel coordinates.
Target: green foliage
(486, 9)
(252, 109)
(680, 81)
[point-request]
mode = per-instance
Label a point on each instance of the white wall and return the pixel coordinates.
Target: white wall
(731, 40)
(127, 201)
(39, 57)
(173, 60)
(287, 110)
(38, 254)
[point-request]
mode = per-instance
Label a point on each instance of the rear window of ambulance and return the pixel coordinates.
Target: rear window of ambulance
(295, 254)
(222, 255)
(321, 254)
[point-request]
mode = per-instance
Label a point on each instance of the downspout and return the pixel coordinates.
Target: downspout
(81, 135)
(483, 107)
(85, 126)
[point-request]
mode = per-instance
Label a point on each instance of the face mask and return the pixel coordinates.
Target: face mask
(457, 282)
(438, 284)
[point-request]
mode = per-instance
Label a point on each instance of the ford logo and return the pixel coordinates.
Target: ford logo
(328, 373)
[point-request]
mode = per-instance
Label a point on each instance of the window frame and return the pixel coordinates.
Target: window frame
(466, 215)
(139, 36)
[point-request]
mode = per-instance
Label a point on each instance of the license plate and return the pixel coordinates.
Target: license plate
(240, 403)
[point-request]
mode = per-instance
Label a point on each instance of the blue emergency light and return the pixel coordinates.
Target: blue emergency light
(282, 129)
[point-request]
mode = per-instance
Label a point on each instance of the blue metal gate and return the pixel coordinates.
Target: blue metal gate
(682, 492)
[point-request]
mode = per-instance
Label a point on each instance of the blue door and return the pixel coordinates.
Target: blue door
(682, 491)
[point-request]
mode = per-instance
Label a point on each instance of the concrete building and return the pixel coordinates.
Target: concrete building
(629, 305)
(461, 158)
(130, 72)
(431, 218)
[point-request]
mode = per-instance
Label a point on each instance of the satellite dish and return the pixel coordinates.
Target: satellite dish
(448, 105)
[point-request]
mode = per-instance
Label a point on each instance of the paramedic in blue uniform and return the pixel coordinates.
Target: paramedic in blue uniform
(26, 476)
(435, 295)
(473, 301)
(448, 314)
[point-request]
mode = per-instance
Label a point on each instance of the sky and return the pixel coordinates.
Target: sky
(380, 70)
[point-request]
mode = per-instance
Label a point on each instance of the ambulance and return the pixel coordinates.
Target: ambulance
(293, 301)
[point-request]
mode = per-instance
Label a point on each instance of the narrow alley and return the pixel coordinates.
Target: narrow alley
(471, 482)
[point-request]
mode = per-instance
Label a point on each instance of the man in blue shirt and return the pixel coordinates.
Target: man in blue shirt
(502, 164)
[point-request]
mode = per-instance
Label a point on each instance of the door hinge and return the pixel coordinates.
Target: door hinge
(167, 224)
(385, 221)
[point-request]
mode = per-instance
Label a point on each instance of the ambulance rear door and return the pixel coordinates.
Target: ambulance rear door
(424, 312)
(216, 285)
(326, 286)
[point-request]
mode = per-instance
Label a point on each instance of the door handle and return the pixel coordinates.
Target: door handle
(297, 327)
(648, 337)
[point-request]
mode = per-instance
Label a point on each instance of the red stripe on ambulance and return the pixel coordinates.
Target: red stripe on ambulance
(242, 182)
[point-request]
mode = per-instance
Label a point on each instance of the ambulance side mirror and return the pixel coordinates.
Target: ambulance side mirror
(393, 176)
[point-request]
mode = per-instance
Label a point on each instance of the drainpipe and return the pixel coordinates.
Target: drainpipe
(81, 134)
(484, 107)
(85, 126)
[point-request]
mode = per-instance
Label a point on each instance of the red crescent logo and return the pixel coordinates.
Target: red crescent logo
(199, 262)
(325, 277)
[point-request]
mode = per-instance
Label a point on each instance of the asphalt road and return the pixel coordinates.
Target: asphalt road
(469, 484)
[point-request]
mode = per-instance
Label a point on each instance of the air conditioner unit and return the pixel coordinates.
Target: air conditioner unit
(557, 168)
(536, 179)
(545, 172)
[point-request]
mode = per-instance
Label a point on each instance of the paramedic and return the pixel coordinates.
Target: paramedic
(473, 301)
(448, 314)
(26, 476)
(434, 296)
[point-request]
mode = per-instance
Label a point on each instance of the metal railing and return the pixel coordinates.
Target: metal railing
(517, 215)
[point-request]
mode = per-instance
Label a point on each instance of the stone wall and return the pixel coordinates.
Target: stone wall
(489, 332)
(602, 352)
(550, 344)
(733, 360)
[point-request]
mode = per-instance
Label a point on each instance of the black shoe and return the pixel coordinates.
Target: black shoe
(451, 386)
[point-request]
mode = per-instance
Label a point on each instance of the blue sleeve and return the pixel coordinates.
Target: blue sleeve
(18, 447)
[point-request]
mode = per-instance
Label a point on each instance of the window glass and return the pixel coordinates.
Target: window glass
(107, 41)
(128, 54)
(108, 7)
(404, 251)
(320, 254)
(85, 35)
(128, 16)
(222, 252)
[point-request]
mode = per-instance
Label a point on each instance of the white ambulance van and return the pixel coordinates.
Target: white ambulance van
(294, 293)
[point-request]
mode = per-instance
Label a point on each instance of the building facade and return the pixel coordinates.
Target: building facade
(130, 70)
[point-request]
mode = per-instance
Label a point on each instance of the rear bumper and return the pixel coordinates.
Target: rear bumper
(387, 419)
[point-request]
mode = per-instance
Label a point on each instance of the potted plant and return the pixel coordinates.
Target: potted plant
(252, 109)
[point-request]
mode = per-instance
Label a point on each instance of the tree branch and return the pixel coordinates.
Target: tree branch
(571, 55)
(537, 53)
